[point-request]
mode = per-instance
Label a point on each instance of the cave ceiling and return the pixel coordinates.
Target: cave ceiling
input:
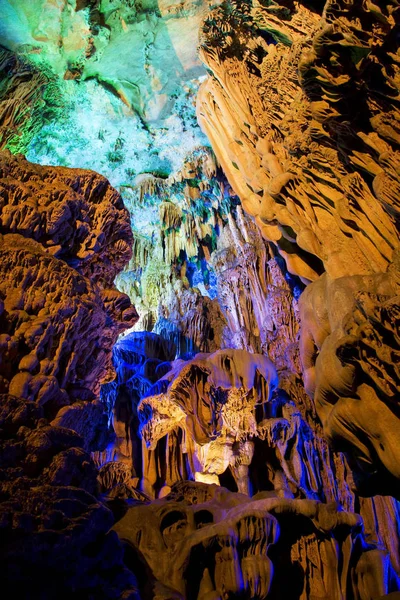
(123, 78)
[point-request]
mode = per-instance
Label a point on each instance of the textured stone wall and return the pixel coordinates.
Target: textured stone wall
(64, 234)
(202, 541)
(301, 110)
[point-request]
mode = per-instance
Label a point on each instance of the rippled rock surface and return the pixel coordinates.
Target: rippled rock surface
(301, 111)
(64, 236)
(202, 542)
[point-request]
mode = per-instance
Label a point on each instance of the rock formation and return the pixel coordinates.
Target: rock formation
(55, 538)
(241, 439)
(140, 359)
(29, 97)
(64, 235)
(301, 113)
(208, 406)
(204, 542)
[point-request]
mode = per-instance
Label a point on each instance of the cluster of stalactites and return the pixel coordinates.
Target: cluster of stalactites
(301, 111)
(213, 400)
(218, 414)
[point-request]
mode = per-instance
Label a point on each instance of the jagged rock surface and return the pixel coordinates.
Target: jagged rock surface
(202, 542)
(301, 110)
(24, 90)
(50, 520)
(58, 228)
(75, 214)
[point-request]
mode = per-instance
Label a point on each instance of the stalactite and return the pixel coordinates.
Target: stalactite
(304, 129)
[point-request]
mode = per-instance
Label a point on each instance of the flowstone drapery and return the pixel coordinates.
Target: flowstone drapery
(301, 111)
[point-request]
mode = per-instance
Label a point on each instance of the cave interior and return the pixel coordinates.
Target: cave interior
(199, 299)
